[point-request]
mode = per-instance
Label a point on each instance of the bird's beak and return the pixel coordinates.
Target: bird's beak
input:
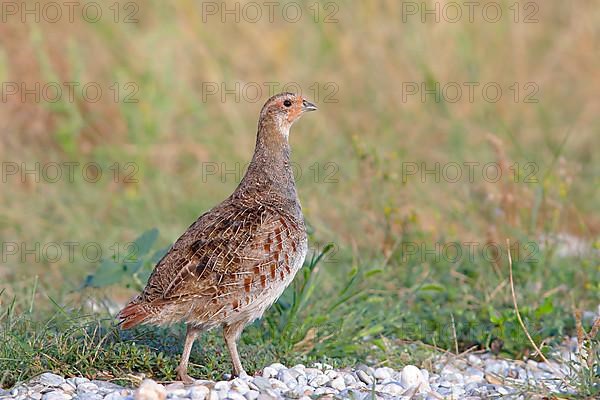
(308, 106)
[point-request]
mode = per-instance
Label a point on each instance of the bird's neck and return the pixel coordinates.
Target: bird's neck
(270, 169)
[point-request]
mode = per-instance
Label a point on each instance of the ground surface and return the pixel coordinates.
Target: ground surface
(467, 376)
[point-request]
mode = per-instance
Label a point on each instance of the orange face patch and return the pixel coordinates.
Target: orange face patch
(295, 110)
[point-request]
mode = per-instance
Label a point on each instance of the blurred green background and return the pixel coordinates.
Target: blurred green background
(164, 142)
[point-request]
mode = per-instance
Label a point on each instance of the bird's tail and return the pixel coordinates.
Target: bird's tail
(132, 315)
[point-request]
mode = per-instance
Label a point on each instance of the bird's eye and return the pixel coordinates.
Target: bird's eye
(287, 103)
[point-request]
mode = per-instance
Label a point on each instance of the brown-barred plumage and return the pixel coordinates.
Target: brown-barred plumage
(232, 255)
(236, 259)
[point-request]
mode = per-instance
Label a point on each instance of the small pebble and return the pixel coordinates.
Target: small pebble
(34, 395)
(311, 373)
(269, 372)
(503, 390)
(67, 388)
(474, 360)
(278, 366)
(213, 395)
(52, 380)
(383, 373)
(295, 373)
(233, 395)
(261, 383)
(349, 379)
(473, 375)
(324, 390)
(410, 376)
(286, 377)
(394, 388)
(89, 396)
(275, 384)
(56, 396)
(318, 380)
(179, 392)
(364, 377)
(239, 385)
(148, 390)
(222, 385)
(86, 387)
(79, 381)
(199, 392)
(338, 383)
(114, 396)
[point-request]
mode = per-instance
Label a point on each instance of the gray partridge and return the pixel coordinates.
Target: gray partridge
(236, 259)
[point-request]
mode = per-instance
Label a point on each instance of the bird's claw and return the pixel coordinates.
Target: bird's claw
(242, 375)
(184, 377)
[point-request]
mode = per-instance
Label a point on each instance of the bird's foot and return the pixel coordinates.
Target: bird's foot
(183, 376)
(241, 374)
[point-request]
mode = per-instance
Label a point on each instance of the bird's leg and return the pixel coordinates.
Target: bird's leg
(231, 334)
(190, 337)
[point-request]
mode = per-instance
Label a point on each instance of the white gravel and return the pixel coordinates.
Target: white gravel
(470, 377)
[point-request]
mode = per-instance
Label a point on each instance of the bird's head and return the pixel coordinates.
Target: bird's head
(282, 110)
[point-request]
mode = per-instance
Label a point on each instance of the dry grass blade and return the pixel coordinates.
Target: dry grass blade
(518, 313)
(454, 335)
(581, 335)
